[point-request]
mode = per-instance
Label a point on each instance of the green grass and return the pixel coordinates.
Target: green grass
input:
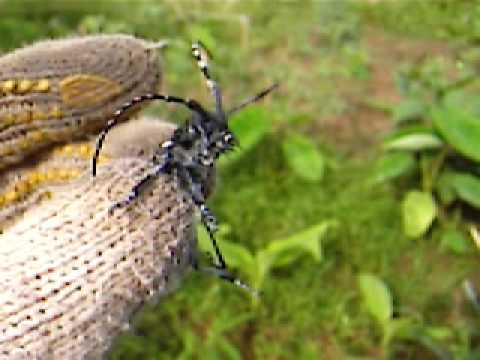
(308, 309)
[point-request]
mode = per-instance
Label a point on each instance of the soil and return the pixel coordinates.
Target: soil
(363, 125)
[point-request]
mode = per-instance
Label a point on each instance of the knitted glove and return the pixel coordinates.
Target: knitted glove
(59, 90)
(71, 274)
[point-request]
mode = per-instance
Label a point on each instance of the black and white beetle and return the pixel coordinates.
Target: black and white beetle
(191, 152)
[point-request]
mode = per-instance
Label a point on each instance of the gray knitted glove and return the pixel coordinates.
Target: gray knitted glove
(58, 90)
(71, 275)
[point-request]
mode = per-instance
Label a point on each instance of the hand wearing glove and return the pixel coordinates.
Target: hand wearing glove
(71, 273)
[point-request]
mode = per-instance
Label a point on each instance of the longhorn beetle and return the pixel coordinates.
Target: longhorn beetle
(191, 152)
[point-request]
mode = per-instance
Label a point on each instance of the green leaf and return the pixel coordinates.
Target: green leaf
(304, 158)
(283, 252)
(250, 127)
(454, 241)
(419, 210)
(445, 188)
(467, 187)
(460, 129)
(377, 297)
(263, 266)
(238, 256)
(413, 139)
(280, 253)
(392, 165)
(408, 110)
(204, 242)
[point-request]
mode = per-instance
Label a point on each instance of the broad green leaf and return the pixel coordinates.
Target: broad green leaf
(454, 241)
(445, 187)
(467, 187)
(204, 242)
(304, 158)
(419, 210)
(408, 110)
(283, 252)
(238, 256)
(413, 139)
(460, 129)
(392, 165)
(249, 126)
(377, 297)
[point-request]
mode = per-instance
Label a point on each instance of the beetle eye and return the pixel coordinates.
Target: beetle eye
(228, 138)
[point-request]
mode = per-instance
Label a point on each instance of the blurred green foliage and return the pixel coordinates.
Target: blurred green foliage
(442, 19)
(435, 143)
(308, 217)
